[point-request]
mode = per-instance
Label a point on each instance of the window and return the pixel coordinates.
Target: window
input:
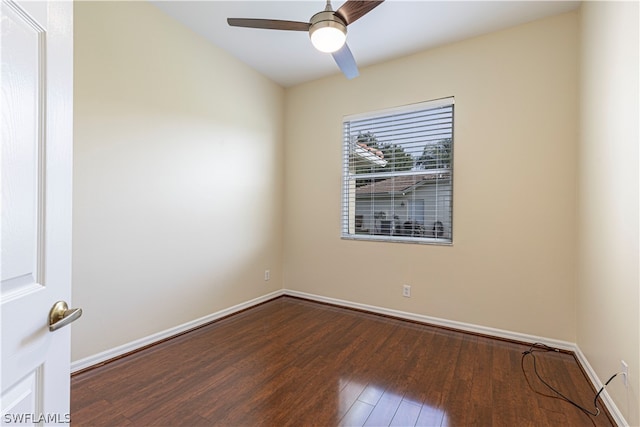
(398, 174)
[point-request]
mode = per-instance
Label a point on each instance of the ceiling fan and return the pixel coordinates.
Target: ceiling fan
(327, 30)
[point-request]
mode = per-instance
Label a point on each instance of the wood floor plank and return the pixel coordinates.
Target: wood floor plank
(385, 410)
(481, 402)
(295, 362)
(357, 414)
(438, 370)
(348, 396)
(430, 417)
(406, 415)
(371, 394)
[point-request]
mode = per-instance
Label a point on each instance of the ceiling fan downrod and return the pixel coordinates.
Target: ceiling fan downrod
(328, 7)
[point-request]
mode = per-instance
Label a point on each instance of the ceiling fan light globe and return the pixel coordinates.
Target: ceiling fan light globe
(328, 36)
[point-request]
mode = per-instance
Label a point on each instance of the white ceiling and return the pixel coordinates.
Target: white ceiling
(395, 28)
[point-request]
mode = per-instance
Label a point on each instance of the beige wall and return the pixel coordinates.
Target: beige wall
(177, 180)
(608, 295)
(513, 261)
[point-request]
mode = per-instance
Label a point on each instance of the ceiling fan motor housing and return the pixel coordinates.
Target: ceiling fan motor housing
(327, 22)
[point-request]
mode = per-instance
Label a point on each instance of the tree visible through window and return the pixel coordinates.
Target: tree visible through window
(398, 167)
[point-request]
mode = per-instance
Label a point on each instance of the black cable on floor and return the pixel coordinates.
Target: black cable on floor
(539, 347)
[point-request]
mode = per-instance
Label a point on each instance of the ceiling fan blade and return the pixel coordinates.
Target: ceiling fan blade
(346, 62)
(269, 24)
(353, 10)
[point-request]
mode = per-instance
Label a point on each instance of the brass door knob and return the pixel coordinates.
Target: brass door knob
(61, 315)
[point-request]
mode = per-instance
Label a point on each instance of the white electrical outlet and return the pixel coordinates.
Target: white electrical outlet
(267, 275)
(625, 372)
(406, 291)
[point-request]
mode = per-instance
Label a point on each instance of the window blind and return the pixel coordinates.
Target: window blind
(398, 174)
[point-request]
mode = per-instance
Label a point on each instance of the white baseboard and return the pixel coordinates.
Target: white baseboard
(112, 353)
(104, 356)
(499, 333)
(606, 398)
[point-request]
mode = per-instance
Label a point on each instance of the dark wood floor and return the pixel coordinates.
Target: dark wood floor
(296, 362)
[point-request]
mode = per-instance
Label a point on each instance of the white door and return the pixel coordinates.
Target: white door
(35, 267)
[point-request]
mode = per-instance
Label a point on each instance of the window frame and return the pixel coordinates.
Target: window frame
(348, 214)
